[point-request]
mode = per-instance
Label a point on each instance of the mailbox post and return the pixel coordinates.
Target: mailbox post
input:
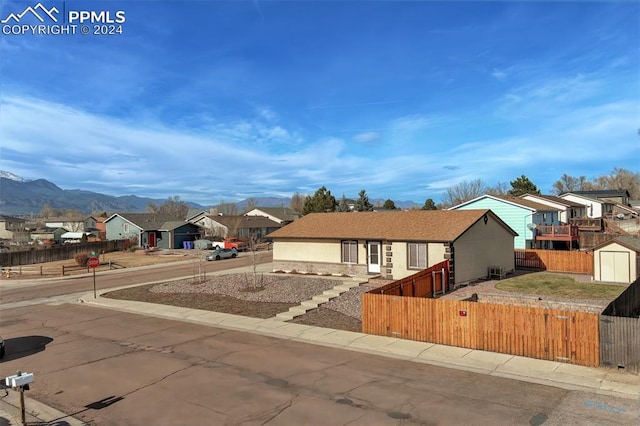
(20, 382)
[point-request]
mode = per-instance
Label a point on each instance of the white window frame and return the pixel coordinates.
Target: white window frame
(349, 251)
(125, 228)
(415, 248)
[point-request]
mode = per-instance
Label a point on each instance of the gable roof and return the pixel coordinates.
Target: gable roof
(283, 213)
(554, 199)
(604, 193)
(584, 197)
(245, 222)
(4, 218)
(628, 241)
(147, 221)
(520, 202)
(413, 225)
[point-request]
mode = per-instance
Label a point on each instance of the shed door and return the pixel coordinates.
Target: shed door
(614, 266)
(373, 248)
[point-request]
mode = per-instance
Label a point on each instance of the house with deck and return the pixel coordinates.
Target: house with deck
(538, 225)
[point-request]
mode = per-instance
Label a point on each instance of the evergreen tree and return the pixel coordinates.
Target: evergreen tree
(322, 201)
(523, 185)
(389, 205)
(429, 205)
(362, 203)
(343, 206)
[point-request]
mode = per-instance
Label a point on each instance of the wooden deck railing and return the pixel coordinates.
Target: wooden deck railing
(557, 232)
(587, 224)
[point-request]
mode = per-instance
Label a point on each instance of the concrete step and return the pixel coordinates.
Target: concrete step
(324, 298)
(309, 304)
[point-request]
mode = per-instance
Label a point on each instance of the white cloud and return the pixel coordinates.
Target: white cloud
(367, 137)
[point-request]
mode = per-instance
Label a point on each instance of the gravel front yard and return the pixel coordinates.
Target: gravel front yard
(268, 296)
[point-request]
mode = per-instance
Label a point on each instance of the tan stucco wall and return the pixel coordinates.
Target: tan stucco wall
(317, 256)
(615, 247)
(399, 258)
(479, 248)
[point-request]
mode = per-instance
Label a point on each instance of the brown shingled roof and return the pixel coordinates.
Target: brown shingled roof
(413, 225)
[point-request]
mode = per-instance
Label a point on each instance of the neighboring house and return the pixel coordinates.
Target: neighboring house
(617, 260)
(282, 215)
(72, 225)
(209, 225)
(567, 209)
(536, 224)
(48, 234)
(614, 196)
(250, 228)
(395, 244)
(595, 208)
(151, 230)
(10, 226)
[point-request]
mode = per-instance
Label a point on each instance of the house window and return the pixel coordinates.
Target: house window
(349, 252)
(417, 255)
(125, 228)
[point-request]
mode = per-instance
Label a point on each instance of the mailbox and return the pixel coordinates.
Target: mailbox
(20, 380)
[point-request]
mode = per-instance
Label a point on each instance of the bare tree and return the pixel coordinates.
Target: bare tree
(173, 207)
(297, 202)
(227, 209)
(463, 191)
(500, 188)
(252, 203)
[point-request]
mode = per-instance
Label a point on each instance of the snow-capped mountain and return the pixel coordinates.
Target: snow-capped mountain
(11, 176)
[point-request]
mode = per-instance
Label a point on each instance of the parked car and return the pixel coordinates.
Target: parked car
(224, 253)
(234, 243)
(1, 347)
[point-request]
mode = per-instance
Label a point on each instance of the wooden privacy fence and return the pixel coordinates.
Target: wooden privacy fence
(29, 257)
(554, 335)
(578, 262)
(620, 331)
(427, 283)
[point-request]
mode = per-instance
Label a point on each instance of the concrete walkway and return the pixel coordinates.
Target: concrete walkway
(566, 376)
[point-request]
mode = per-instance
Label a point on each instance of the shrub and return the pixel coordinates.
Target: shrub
(132, 249)
(81, 259)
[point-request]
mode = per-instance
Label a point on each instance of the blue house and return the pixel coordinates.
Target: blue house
(528, 218)
(151, 230)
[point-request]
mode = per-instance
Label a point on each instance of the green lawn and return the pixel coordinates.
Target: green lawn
(547, 284)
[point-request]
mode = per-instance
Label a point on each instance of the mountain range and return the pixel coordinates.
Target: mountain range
(19, 196)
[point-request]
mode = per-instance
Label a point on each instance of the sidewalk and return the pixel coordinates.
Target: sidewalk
(566, 376)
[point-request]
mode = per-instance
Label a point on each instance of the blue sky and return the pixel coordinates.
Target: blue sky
(227, 100)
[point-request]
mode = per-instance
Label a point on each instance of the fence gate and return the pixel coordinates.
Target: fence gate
(561, 336)
(620, 343)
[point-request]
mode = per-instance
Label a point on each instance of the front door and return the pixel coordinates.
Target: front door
(373, 254)
(152, 239)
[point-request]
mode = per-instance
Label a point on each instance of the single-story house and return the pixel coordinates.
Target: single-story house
(48, 234)
(395, 244)
(151, 230)
(519, 214)
(250, 228)
(209, 225)
(617, 260)
(282, 215)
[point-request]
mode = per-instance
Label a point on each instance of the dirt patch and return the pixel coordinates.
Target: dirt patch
(328, 318)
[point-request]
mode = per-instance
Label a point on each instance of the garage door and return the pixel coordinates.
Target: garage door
(614, 267)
